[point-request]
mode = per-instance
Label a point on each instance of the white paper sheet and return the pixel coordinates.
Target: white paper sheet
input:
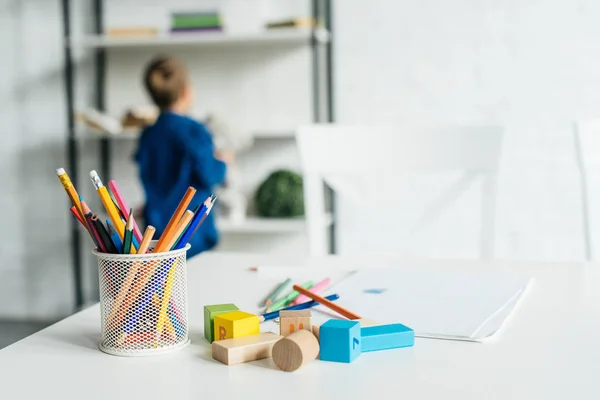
(437, 303)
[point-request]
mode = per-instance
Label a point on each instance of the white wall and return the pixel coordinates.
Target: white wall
(531, 65)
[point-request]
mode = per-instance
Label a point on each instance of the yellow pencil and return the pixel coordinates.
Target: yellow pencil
(113, 213)
(115, 316)
(162, 316)
(168, 324)
(71, 192)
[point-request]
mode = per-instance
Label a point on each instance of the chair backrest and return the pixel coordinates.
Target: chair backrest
(368, 169)
(587, 155)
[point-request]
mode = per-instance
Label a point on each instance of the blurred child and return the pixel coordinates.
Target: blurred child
(177, 152)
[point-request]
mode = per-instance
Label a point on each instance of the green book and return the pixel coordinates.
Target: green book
(195, 21)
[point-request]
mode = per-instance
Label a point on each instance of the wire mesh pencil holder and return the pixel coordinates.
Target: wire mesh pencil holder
(143, 302)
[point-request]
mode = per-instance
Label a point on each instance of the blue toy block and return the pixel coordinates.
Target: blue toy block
(384, 337)
(340, 340)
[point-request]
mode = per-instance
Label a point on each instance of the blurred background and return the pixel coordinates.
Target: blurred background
(500, 97)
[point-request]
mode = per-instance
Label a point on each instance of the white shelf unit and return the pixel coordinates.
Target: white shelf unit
(272, 37)
(266, 225)
(268, 82)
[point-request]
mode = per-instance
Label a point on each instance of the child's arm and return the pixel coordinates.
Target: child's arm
(209, 170)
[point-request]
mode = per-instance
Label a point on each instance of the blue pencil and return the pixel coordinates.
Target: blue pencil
(303, 306)
(195, 222)
(116, 239)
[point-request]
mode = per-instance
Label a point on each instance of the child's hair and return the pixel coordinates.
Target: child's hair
(165, 79)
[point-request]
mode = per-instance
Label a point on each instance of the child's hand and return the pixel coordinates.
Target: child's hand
(228, 157)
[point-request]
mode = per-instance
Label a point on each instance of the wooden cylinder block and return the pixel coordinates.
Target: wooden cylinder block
(295, 350)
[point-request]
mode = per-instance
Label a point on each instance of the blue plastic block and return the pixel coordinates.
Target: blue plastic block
(384, 337)
(340, 340)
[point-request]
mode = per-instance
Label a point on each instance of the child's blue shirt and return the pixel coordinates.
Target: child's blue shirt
(173, 154)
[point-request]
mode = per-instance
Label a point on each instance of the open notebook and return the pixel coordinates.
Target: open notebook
(457, 304)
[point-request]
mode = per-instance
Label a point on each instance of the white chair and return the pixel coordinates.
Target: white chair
(356, 161)
(587, 155)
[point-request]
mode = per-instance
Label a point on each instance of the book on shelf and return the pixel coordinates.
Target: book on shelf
(306, 22)
(198, 21)
(127, 32)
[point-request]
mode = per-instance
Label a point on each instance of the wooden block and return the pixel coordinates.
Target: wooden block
(384, 337)
(295, 350)
(316, 330)
(295, 320)
(340, 340)
(244, 349)
(236, 324)
(366, 322)
(210, 312)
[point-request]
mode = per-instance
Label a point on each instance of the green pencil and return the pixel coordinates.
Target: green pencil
(291, 296)
(273, 296)
(127, 238)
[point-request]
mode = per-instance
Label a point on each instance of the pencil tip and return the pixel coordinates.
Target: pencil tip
(60, 171)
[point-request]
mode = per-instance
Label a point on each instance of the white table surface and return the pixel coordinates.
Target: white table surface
(549, 350)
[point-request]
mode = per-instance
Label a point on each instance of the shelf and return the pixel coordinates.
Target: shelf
(267, 37)
(266, 225)
(133, 134)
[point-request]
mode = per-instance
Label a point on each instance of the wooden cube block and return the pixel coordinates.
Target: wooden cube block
(210, 312)
(244, 349)
(236, 324)
(340, 340)
(292, 321)
(366, 322)
(384, 337)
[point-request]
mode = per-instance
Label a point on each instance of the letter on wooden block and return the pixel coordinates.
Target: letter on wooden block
(236, 324)
(244, 349)
(210, 312)
(292, 321)
(340, 340)
(384, 337)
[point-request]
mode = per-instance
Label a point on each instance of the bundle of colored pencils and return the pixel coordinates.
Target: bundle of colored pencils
(121, 235)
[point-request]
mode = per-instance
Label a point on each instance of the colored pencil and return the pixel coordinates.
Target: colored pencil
(71, 192)
(287, 299)
(167, 235)
(74, 212)
(103, 234)
(162, 316)
(109, 205)
(146, 239)
(100, 245)
(327, 303)
(276, 293)
(115, 315)
(114, 237)
(303, 306)
(199, 217)
(147, 275)
(114, 189)
(127, 242)
(195, 210)
(319, 287)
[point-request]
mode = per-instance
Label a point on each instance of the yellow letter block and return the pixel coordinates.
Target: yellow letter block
(295, 320)
(236, 324)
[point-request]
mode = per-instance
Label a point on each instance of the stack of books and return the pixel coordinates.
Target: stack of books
(196, 21)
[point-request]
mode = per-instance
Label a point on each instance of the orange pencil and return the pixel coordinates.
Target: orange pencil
(172, 225)
(329, 304)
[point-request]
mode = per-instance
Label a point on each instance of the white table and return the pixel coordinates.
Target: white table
(550, 350)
